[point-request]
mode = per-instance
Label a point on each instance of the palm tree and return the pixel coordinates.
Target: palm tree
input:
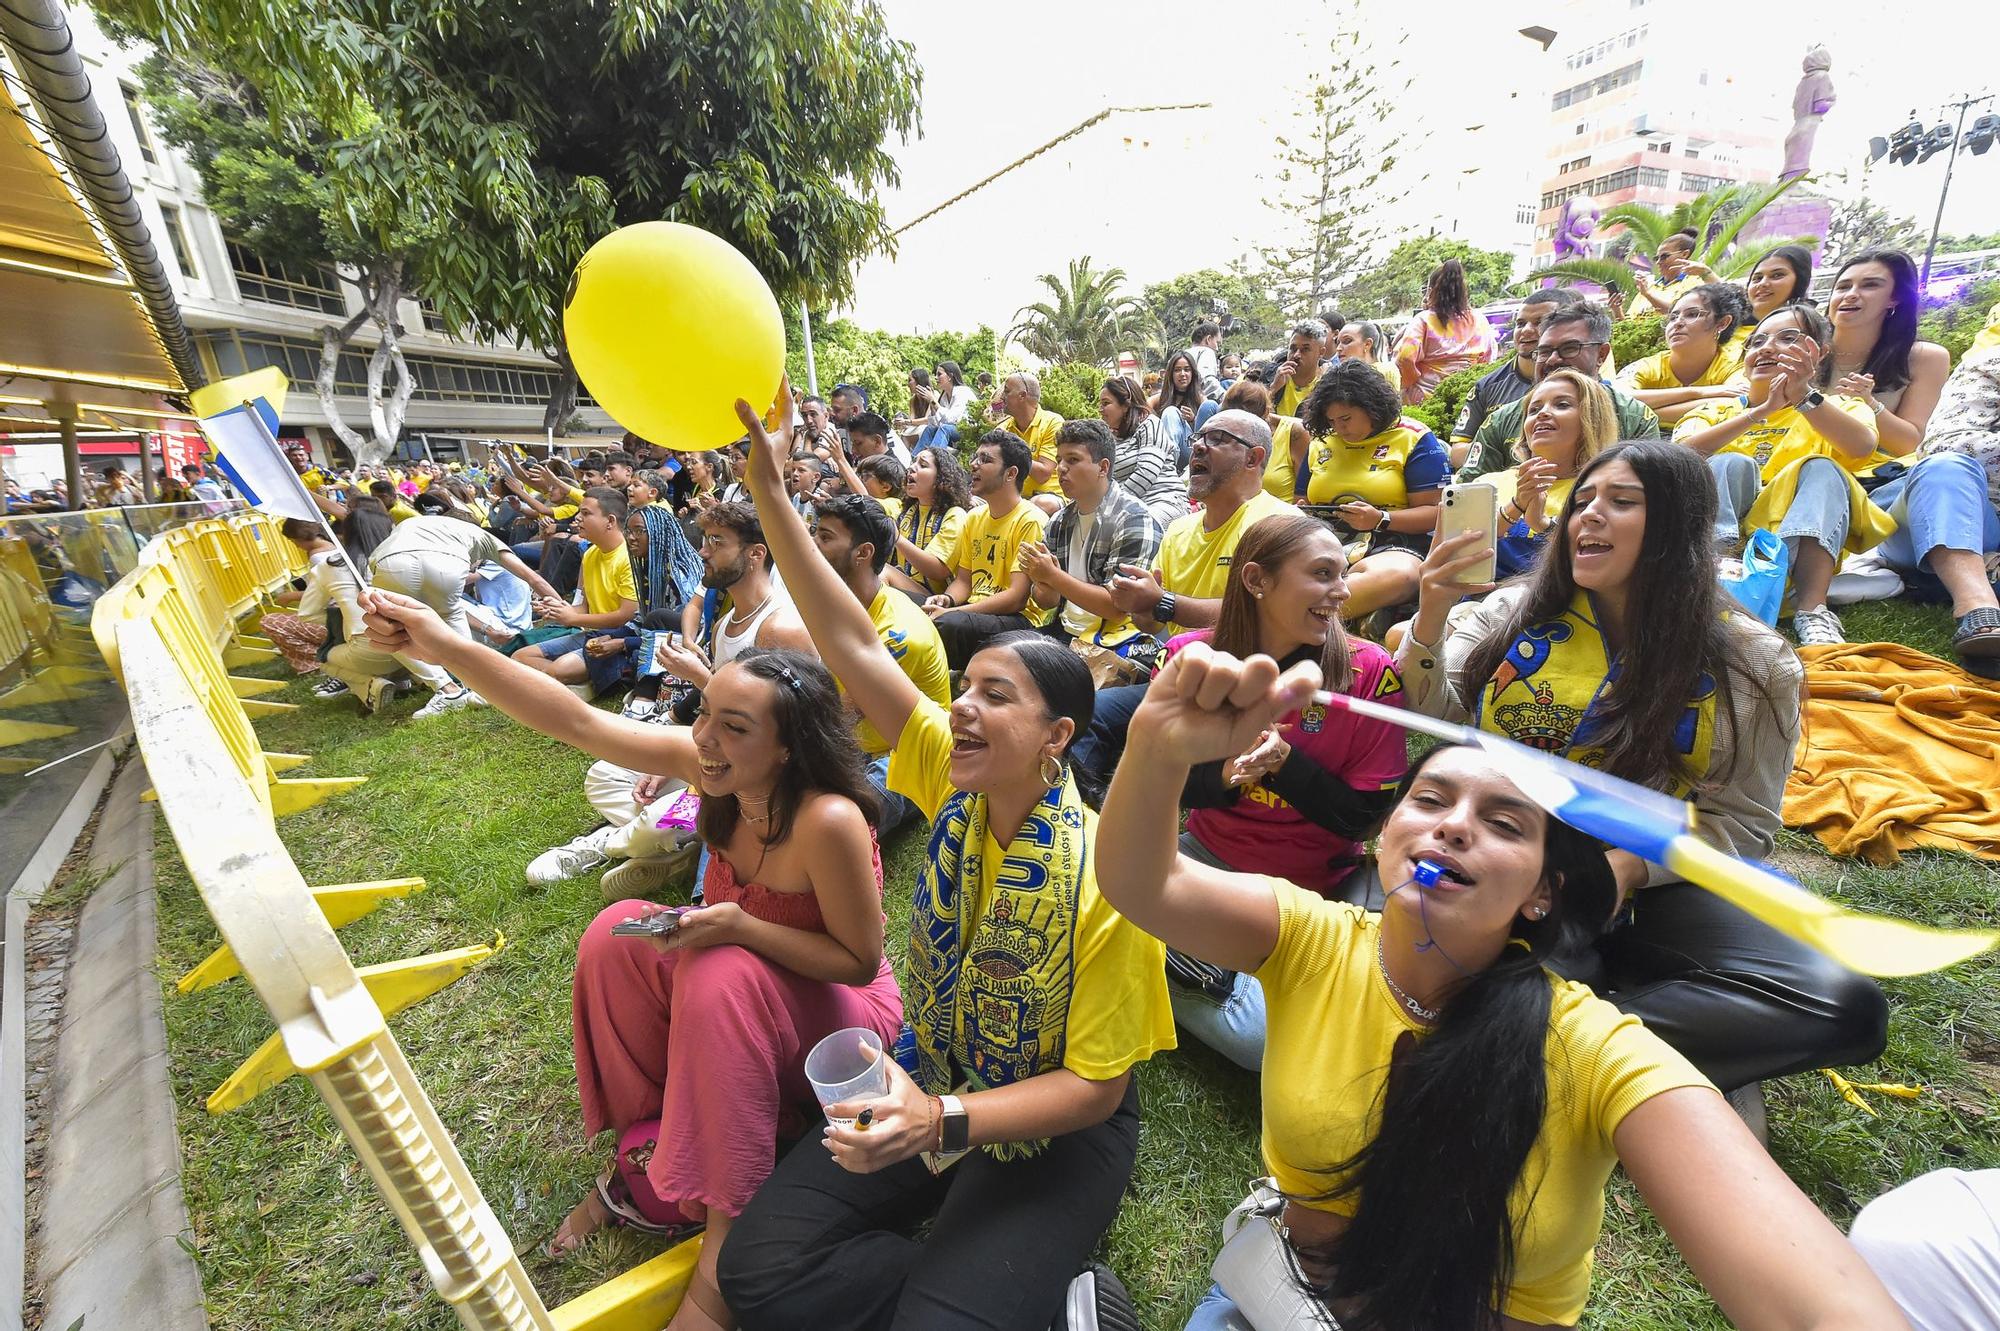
(1716, 217)
(1087, 319)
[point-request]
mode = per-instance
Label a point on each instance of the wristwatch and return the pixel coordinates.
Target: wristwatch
(1382, 521)
(1164, 611)
(1811, 400)
(954, 1129)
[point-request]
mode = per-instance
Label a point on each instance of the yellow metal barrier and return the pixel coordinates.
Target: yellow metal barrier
(332, 1028)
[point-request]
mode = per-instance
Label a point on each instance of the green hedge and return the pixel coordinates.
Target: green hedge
(1954, 323)
(1070, 391)
(1440, 409)
(1637, 338)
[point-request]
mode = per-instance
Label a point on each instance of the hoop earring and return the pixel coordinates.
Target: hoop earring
(1047, 779)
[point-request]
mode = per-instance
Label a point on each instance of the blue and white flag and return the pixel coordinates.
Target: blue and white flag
(244, 439)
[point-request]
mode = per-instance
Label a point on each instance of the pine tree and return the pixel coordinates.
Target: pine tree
(1336, 176)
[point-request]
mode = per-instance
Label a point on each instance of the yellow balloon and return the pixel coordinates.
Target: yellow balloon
(668, 325)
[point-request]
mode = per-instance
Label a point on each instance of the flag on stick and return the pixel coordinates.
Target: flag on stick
(1660, 830)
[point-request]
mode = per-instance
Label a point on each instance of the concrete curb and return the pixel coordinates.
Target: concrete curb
(112, 1213)
(29, 884)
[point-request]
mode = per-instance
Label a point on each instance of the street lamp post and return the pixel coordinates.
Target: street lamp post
(1910, 144)
(1949, 162)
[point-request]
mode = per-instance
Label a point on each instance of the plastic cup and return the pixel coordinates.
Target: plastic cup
(847, 1066)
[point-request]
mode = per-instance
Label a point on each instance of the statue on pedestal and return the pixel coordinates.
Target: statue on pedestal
(1575, 227)
(1810, 103)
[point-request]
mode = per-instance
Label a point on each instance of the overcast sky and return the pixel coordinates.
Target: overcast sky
(1168, 192)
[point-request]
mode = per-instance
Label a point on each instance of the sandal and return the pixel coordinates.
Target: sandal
(609, 1206)
(1977, 641)
(1978, 633)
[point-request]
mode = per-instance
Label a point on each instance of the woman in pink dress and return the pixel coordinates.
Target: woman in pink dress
(1445, 336)
(691, 1047)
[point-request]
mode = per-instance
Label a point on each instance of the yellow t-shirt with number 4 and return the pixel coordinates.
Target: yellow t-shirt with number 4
(990, 551)
(1119, 1013)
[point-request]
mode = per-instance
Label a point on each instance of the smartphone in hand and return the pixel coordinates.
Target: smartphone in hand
(1474, 506)
(661, 925)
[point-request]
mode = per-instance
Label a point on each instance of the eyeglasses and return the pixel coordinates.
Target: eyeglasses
(1784, 337)
(1217, 438)
(1563, 350)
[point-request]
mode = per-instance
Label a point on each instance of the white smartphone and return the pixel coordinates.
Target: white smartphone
(1474, 506)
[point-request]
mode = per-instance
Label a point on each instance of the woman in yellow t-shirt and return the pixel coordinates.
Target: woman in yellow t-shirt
(938, 494)
(1381, 474)
(1788, 458)
(1285, 469)
(1441, 1112)
(1697, 363)
(1031, 1000)
(1782, 276)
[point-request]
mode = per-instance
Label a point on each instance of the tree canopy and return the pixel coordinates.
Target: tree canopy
(1335, 166)
(482, 146)
(1396, 285)
(1179, 303)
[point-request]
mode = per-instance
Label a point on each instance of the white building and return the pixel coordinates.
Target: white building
(246, 312)
(1650, 107)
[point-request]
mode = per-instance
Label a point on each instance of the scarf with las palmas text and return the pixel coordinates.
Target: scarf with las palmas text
(991, 993)
(1546, 693)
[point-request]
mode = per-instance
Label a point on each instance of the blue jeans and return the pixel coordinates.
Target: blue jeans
(1820, 510)
(896, 810)
(529, 553)
(1216, 1312)
(1941, 503)
(938, 432)
(1100, 747)
(602, 671)
(1233, 1028)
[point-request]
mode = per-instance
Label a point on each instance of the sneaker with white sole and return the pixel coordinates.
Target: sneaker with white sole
(571, 859)
(637, 709)
(371, 695)
(648, 877)
(442, 702)
(1818, 628)
(1097, 1301)
(329, 688)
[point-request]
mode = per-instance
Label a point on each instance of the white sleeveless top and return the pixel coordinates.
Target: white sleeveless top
(732, 639)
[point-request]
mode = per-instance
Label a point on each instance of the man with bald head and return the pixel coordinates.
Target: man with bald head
(1023, 417)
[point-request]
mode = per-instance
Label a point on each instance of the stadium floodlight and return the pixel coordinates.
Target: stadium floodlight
(1935, 142)
(1984, 130)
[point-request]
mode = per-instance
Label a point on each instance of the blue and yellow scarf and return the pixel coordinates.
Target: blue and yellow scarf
(995, 1005)
(1545, 693)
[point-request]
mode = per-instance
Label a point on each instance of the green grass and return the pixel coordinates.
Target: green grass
(290, 1232)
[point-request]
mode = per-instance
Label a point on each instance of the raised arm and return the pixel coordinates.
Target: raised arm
(838, 623)
(401, 624)
(1203, 705)
(1757, 1244)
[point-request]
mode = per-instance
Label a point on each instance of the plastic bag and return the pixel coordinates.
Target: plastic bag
(1757, 580)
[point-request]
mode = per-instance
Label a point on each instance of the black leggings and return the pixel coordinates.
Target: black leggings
(966, 631)
(1739, 999)
(822, 1248)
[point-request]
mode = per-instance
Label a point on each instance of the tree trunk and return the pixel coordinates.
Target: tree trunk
(386, 403)
(562, 395)
(331, 341)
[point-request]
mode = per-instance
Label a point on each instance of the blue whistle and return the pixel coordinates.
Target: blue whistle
(1427, 872)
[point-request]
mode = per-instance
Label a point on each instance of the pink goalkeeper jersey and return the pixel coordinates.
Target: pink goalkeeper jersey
(1261, 833)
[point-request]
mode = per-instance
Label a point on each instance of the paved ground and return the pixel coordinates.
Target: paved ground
(109, 1242)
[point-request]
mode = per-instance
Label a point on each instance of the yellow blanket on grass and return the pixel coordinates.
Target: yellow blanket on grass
(1899, 750)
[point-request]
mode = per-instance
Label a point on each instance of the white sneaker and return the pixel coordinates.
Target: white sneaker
(1818, 628)
(442, 702)
(644, 878)
(572, 859)
(638, 709)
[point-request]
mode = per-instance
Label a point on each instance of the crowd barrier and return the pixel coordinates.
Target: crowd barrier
(167, 629)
